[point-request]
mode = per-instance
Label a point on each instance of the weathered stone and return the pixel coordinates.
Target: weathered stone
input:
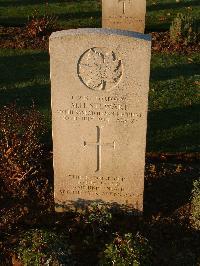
(124, 14)
(100, 83)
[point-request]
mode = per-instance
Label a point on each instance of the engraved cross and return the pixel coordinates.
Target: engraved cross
(99, 146)
(124, 5)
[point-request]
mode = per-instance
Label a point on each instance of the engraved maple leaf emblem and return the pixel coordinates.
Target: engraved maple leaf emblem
(100, 69)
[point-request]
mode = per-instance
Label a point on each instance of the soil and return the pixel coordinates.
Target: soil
(166, 221)
(161, 43)
(19, 37)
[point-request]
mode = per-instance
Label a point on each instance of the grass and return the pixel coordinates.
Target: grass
(174, 102)
(87, 13)
(173, 123)
(160, 13)
(26, 80)
(71, 14)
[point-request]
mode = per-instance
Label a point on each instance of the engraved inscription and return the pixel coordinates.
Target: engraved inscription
(99, 145)
(112, 186)
(120, 19)
(101, 109)
(100, 69)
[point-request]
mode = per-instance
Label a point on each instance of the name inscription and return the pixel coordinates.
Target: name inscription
(101, 109)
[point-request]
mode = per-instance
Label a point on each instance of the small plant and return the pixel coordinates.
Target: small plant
(39, 26)
(20, 148)
(38, 247)
(127, 250)
(98, 217)
(184, 30)
(195, 205)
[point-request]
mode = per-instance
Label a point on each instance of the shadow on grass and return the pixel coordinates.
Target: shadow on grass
(25, 78)
(169, 191)
(39, 94)
(90, 19)
(163, 73)
(13, 21)
(12, 3)
(174, 129)
(62, 18)
(23, 67)
(160, 26)
(172, 242)
(79, 15)
(157, 27)
(162, 22)
(169, 118)
(181, 4)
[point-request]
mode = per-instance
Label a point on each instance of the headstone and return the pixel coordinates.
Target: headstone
(124, 14)
(100, 83)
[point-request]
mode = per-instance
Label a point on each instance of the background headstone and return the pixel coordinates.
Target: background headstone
(124, 14)
(100, 84)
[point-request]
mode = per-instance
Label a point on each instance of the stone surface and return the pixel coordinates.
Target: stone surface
(124, 14)
(100, 84)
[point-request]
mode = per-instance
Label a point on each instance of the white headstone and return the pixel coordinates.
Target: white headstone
(100, 84)
(124, 14)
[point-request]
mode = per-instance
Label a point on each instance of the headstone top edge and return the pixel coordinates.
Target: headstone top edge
(82, 31)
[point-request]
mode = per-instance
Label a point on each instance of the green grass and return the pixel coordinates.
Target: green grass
(173, 123)
(174, 101)
(25, 78)
(160, 13)
(87, 13)
(70, 14)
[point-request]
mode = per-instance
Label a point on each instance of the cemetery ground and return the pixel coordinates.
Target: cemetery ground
(172, 160)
